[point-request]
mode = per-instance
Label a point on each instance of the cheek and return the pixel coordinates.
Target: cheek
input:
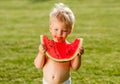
(53, 33)
(51, 30)
(51, 27)
(65, 35)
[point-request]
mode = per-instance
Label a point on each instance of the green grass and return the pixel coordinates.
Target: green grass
(97, 21)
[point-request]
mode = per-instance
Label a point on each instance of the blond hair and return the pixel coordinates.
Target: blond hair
(63, 14)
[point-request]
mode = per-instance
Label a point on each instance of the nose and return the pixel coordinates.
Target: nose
(59, 33)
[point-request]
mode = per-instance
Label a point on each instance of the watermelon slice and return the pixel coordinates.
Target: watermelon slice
(61, 52)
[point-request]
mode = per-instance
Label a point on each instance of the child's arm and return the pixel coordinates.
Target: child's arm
(76, 62)
(40, 58)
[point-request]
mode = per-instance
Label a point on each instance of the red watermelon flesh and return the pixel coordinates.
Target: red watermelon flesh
(59, 51)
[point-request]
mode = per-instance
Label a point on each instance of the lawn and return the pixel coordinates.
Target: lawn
(23, 21)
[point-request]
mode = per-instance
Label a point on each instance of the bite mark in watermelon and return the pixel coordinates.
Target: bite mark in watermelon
(61, 52)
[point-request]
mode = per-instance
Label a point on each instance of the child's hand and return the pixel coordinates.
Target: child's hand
(42, 49)
(80, 51)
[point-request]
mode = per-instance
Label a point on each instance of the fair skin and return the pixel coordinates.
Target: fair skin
(57, 72)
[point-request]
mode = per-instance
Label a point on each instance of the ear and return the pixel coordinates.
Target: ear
(70, 31)
(50, 27)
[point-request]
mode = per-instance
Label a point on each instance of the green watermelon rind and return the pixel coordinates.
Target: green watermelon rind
(63, 60)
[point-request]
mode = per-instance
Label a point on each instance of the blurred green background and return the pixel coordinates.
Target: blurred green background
(23, 21)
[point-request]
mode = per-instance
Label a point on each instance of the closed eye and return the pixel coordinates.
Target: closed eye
(56, 29)
(65, 31)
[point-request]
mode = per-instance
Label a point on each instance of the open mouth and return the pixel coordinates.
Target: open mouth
(59, 39)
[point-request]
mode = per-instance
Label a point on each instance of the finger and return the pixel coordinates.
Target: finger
(81, 51)
(42, 47)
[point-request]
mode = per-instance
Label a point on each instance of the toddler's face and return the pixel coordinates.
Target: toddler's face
(59, 30)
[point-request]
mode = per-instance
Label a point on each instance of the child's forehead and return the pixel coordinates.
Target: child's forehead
(55, 20)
